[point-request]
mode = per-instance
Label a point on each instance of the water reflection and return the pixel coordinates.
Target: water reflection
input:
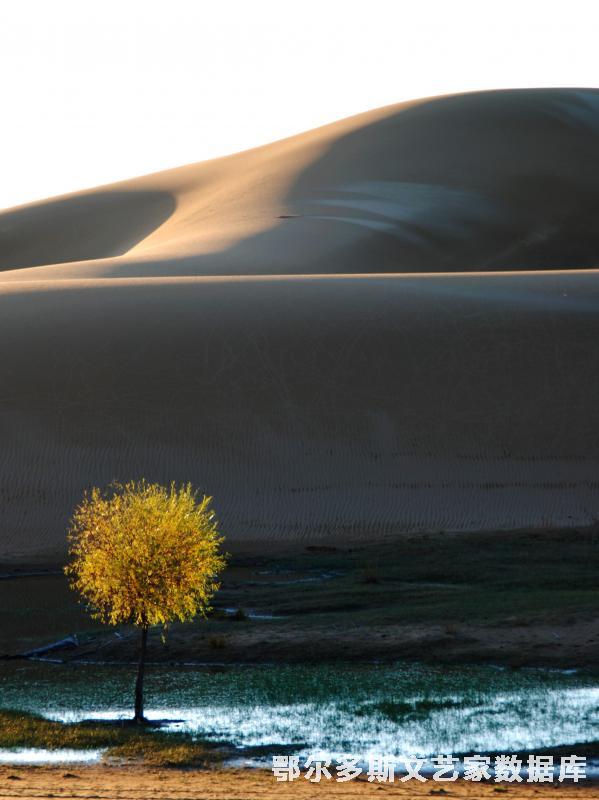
(32, 755)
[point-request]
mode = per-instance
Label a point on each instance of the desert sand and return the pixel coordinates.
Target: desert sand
(119, 782)
(385, 325)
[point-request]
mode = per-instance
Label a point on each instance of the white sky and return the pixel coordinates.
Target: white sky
(98, 90)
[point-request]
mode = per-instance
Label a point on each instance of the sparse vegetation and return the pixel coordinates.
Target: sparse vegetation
(119, 741)
(466, 598)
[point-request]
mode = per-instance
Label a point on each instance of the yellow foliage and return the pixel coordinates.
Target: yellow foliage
(145, 554)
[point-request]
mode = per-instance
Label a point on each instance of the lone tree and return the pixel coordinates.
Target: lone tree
(144, 554)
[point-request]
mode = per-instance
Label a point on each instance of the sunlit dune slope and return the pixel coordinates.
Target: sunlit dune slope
(248, 324)
(487, 181)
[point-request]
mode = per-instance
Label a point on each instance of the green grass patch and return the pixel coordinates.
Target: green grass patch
(400, 711)
(120, 740)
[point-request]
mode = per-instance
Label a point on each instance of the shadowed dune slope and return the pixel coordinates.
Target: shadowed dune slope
(333, 396)
(311, 408)
(93, 225)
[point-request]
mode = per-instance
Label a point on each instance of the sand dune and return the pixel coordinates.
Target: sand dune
(492, 181)
(388, 324)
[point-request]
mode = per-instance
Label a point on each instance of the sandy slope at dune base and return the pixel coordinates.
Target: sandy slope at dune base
(311, 408)
(356, 332)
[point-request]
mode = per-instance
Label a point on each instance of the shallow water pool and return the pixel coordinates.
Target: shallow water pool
(401, 709)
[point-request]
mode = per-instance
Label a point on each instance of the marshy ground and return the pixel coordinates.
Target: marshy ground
(517, 599)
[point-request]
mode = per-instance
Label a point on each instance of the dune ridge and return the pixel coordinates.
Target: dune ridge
(381, 326)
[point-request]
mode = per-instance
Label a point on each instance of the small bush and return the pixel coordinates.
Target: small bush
(370, 576)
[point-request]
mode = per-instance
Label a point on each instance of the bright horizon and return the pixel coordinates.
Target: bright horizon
(100, 92)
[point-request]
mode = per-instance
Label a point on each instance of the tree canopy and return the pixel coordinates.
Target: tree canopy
(145, 554)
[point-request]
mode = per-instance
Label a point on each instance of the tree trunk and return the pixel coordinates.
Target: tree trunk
(139, 683)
